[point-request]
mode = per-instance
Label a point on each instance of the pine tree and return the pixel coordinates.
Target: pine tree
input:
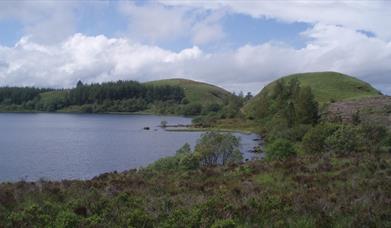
(306, 106)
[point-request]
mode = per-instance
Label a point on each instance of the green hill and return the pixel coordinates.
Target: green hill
(196, 92)
(326, 86)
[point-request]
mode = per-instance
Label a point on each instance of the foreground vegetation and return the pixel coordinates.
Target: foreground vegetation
(322, 190)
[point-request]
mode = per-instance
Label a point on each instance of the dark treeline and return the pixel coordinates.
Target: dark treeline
(120, 96)
(97, 93)
(19, 95)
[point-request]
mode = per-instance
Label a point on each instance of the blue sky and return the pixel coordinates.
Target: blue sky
(11, 31)
(240, 29)
(239, 45)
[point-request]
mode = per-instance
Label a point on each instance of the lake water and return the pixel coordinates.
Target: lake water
(80, 146)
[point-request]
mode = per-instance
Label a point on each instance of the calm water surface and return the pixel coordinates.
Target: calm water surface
(80, 146)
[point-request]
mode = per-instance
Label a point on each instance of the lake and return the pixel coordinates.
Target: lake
(80, 146)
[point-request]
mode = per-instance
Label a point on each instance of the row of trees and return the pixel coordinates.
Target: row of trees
(19, 95)
(120, 96)
(97, 93)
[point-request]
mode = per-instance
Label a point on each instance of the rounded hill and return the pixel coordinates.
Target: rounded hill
(196, 92)
(326, 86)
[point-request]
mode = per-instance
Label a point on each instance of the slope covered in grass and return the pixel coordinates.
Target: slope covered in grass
(196, 92)
(326, 86)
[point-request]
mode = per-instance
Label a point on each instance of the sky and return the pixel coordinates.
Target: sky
(238, 45)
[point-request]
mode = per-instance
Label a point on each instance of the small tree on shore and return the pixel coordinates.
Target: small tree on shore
(215, 148)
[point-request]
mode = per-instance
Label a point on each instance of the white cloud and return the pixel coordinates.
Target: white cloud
(209, 29)
(91, 59)
(373, 16)
(156, 23)
(99, 58)
(43, 21)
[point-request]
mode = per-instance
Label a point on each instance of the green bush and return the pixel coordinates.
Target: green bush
(314, 139)
(189, 162)
(67, 219)
(166, 163)
(31, 214)
(184, 159)
(87, 108)
(346, 139)
(192, 109)
(375, 138)
(280, 149)
(213, 107)
(294, 134)
(139, 218)
(214, 148)
(179, 218)
(206, 121)
(224, 223)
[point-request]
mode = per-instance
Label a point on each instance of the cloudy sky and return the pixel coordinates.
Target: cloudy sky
(239, 45)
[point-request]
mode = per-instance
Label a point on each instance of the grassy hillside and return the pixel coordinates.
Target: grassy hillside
(196, 92)
(326, 86)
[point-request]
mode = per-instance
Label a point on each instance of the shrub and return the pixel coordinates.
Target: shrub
(206, 121)
(215, 148)
(213, 107)
(32, 214)
(280, 149)
(184, 150)
(276, 128)
(345, 140)
(167, 163)
(139, 218)
(314, 139)
(374, 137)
(66, 219)
(297, 133)
(87, 108)
(179, 218)
(183, 159)
(192, 109)
(189, 162)
(225, 223)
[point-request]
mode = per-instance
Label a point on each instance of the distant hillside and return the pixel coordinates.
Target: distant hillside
(196, 92)
(326, 86)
